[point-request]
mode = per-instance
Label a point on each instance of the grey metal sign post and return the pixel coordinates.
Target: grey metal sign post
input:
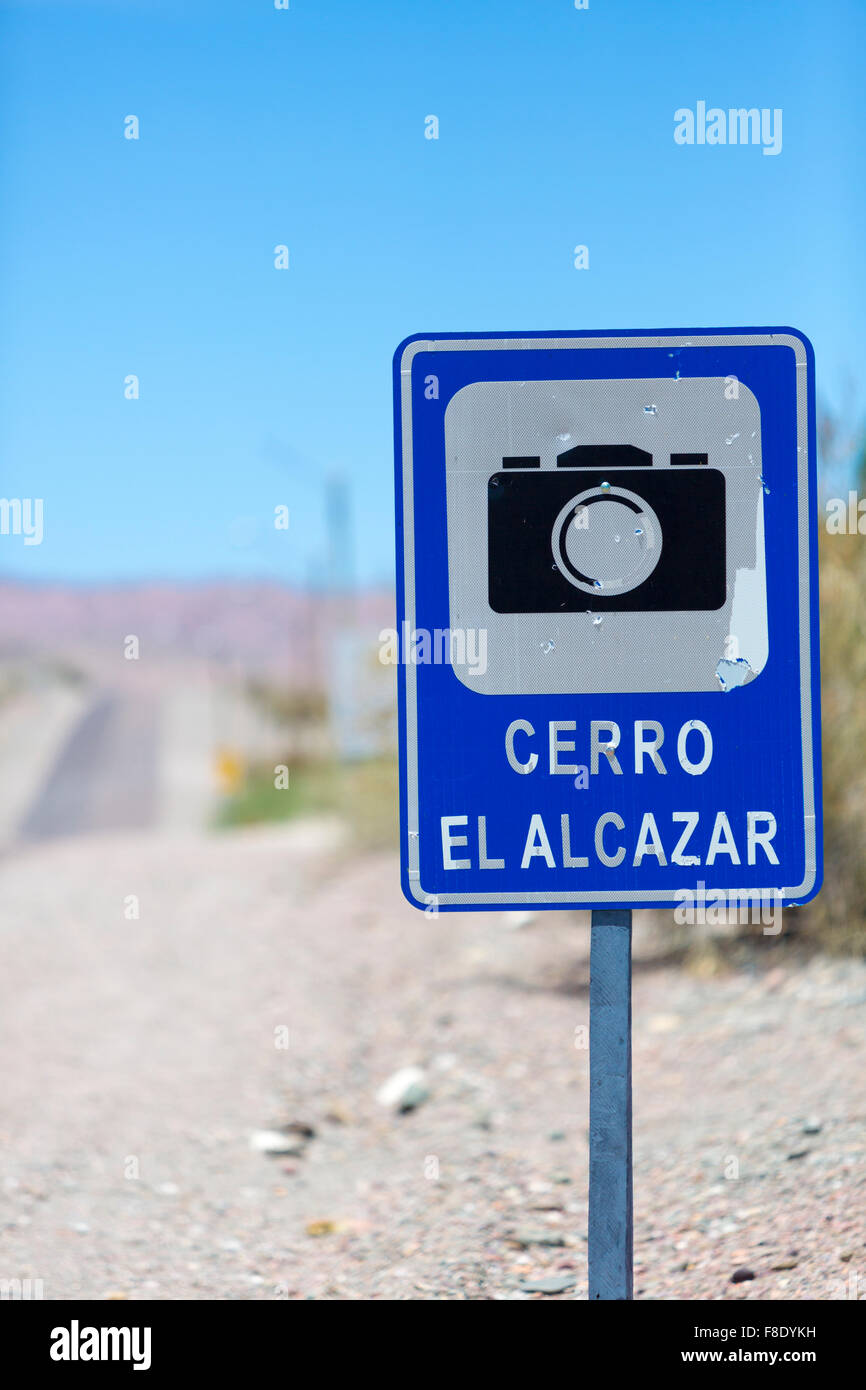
(608, 540)
(611, 1234)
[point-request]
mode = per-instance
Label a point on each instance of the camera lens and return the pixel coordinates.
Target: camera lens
(606, 540)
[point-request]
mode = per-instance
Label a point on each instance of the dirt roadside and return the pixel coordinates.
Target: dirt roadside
(271, 979)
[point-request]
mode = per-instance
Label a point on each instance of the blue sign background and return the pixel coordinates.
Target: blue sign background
(757, 755)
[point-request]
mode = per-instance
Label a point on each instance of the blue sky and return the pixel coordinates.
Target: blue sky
(306, 127)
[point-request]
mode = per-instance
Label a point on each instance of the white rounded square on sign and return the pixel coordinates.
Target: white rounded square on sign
(608, 535)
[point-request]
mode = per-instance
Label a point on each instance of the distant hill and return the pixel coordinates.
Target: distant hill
(256, 627)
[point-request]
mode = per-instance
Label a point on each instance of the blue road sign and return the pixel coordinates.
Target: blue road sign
(608, 635)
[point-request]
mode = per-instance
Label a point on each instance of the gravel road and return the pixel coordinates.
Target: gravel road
(166, 998)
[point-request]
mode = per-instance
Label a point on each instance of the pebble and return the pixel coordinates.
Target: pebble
(275, 1141)
(663, 1023)
(338, 1113)
(515, 920)
(299, 1127)
(321, 1228)
(555, 1283)
(445, 1061)
(405, 1090)
(740, 1275)
(523, 1239)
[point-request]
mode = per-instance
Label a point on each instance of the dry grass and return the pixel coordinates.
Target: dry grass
(837, 917)
(364, 794)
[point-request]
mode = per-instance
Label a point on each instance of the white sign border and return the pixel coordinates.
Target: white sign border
(612, 897)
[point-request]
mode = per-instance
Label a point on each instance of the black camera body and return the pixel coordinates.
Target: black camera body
(606, 531)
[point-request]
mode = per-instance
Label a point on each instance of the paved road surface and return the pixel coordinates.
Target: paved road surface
(105, 775)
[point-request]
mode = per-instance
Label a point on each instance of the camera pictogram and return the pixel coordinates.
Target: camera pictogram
(607, 530)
